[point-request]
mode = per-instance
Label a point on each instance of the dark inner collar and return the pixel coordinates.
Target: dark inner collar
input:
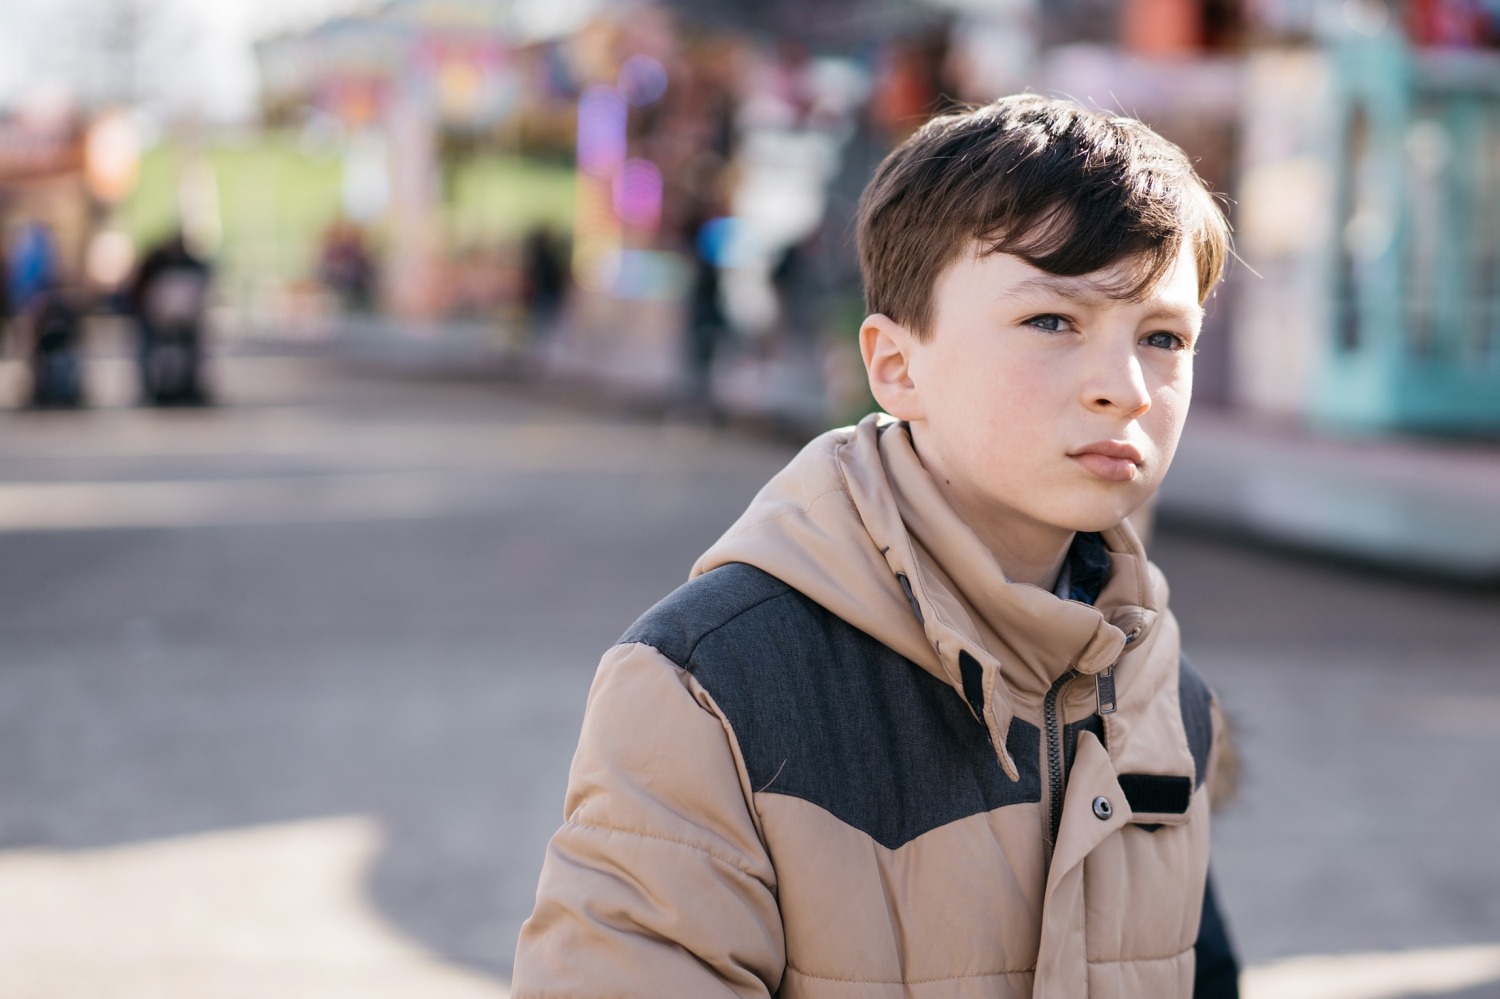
(1087, 567)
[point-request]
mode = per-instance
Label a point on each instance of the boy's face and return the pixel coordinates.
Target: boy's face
(1041, 405)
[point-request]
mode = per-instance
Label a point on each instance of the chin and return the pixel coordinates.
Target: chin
(1093, 521)
(1098, 526)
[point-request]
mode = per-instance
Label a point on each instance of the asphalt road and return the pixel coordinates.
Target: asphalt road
(288, 690)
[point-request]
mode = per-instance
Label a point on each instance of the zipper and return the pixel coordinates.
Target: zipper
(1056, 776)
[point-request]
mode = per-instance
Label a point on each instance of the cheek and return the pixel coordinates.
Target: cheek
(994, 400)
(1178, 375)
(1172, 399)
(1168, 415)
(1025, 396)
(1174, 388)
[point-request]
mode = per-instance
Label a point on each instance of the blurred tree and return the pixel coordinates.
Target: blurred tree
(104, 52)
(131, 52)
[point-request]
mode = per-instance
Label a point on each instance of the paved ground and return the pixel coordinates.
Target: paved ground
(289, 687)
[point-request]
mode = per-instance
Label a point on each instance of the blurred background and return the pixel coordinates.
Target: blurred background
(367, 368)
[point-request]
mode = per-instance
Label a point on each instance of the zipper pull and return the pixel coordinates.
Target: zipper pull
(1104, 682)
(1104, 687)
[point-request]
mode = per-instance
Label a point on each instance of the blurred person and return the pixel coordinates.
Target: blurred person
(544, 262)
(706, 233)
(32, 266)
(799, 291)
(707, 324)
(910, 87)
(57, 352)
(31, 269)
(345, 266)
(169, 299)
(919, 723)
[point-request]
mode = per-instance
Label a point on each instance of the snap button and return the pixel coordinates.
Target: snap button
(1102, 808)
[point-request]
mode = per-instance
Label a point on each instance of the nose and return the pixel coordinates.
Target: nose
(1117, 384)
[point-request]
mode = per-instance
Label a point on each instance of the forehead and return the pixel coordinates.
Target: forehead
(1007, 276)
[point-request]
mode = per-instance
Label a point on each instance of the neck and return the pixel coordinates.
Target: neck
(1027, 550)
(1034, 557)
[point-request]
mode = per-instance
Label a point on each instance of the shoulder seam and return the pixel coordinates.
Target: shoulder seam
(784, 591)
(657, 837)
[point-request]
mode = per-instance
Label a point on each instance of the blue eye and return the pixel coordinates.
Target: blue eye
(1166, 341)
(1050, 323)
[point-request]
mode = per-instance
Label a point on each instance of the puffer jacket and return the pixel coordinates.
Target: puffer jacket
(850, 759)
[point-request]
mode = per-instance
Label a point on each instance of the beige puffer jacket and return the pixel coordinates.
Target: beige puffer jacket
(850, 759)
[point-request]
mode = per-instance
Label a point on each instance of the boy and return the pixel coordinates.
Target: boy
(918, 725)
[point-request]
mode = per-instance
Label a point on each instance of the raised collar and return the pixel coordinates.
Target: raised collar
(856, 523)
(966, 598)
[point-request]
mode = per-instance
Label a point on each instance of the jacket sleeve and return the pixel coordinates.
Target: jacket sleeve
(1218, 970)
(1218, 973)
(658, 883)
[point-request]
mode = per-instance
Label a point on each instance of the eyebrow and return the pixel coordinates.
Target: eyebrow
(1087, 291)
(1193, 314)
(1079, 287)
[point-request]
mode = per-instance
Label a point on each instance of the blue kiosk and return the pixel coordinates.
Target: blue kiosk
(1415, 340)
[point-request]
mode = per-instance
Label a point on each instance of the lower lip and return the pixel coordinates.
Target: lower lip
(1107, 468)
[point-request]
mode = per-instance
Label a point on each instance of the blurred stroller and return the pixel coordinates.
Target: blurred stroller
(170, 297)
(57, 354)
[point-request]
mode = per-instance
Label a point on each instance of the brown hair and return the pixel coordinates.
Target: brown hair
(1068, 190)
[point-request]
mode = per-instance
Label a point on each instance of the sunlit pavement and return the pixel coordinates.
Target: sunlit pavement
(261, 911)
(290, 687)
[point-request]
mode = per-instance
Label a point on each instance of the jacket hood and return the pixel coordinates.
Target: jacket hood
(856, 524)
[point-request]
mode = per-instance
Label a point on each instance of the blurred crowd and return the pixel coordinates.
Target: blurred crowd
(676, 178)
(43, 309)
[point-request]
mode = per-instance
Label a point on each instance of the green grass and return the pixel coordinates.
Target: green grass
(275, 198)
(500, 198)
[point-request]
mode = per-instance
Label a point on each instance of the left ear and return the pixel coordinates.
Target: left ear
(888, 349)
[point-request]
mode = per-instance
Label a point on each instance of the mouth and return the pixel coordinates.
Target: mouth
(1112, 461)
